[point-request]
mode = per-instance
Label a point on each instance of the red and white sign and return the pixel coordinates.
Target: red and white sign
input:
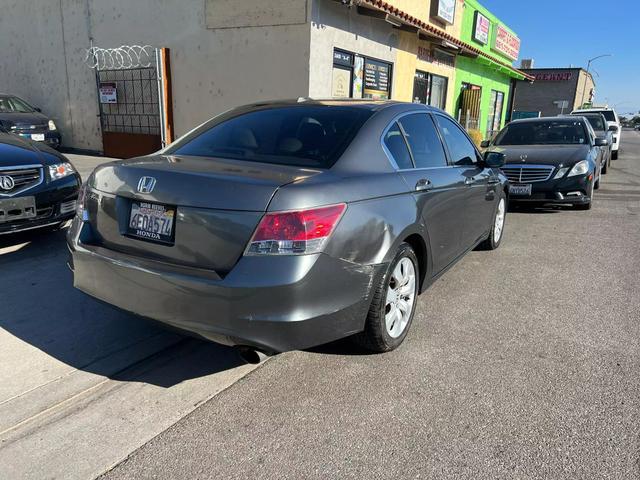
(481, 28)
(108, 92)
(506, 43)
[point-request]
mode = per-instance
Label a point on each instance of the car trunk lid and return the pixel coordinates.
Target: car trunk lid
(218, 204)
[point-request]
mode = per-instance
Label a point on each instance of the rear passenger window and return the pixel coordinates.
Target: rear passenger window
(460, 147)
(394, 141)
(424, 141)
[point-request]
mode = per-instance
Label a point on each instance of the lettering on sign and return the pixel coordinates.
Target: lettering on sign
(481, 28)
(108, 92)
(437, 57)
(376, 79)
(553, 76)
(506, 43)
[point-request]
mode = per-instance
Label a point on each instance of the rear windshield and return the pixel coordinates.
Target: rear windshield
(553, 132)
(304, 136)
(14, 105)
(596, 122)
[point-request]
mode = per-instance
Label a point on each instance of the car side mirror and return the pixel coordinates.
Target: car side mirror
(485, 144)
(613, 128)
(601, 142)
(494, 159)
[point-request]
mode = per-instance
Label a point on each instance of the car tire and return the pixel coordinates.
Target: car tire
(614, 155)
(605, 168)
(586, 206)
(596, 184)
(382, 334)
(497, 228)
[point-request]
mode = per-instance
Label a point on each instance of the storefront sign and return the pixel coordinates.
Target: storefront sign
(342, 58)
(506, 43)
(444, 10)
(553, 76)
(481, 26)
(341, 83)
(376, 79)
(436, 56)
(108, 92)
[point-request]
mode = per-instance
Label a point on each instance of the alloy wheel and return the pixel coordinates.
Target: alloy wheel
(499, 223)
(401, 293)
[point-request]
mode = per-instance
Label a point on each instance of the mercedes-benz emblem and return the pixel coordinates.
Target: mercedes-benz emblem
(7, 183)
(146, 184)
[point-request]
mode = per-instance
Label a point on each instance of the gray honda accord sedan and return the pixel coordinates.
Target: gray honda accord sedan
(285, 225)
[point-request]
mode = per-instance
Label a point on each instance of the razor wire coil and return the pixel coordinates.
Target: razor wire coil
(120, 58)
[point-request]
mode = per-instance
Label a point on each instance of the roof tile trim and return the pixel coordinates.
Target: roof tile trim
(411, 20)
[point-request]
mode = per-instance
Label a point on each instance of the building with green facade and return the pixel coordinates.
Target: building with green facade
(483, 87)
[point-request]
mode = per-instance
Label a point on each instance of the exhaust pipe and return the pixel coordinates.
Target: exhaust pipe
(251, 355)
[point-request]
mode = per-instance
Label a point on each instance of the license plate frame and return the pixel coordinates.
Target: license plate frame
(521, 189)
(37, 137)
(142, 224)
(26, 205)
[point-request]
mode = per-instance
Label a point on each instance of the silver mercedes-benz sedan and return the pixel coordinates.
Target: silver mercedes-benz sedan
(286, 225)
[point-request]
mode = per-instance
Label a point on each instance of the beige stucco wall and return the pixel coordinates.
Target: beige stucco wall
(212, 70)
(335, 26)
(42, 61)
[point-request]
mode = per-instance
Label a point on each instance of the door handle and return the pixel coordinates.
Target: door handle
(423, 184)
(469, 180)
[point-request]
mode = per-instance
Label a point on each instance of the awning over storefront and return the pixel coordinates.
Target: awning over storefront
(403, 20)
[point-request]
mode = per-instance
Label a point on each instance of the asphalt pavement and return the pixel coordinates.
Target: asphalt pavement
(521, 363)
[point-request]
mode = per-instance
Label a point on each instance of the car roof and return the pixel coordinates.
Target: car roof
(593, 110)
(364, 103)
(544, 119)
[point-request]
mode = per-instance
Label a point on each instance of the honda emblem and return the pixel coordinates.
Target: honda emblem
(146, 184)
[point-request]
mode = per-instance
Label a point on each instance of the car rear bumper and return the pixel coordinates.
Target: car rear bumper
(274, 303)
(569, 190)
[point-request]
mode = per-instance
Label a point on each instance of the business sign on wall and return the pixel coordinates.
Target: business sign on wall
(553, 76)
(481, 26)
(444, 10)
(506, 43)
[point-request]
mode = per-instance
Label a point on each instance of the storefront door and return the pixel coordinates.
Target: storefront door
(421, 87)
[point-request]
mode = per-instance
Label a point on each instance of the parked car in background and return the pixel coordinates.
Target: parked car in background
(612, 119)
(17, 116)
(550, 160)
(602, 130)
(285, 225)
(38, 185)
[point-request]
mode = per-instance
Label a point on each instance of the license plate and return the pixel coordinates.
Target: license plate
(520, 189)
(152, 222)
(37, 137)
(19, 208)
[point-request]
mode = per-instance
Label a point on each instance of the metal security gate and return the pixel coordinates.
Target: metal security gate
(134, 99)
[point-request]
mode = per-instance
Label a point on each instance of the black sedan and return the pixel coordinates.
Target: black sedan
(17, 116)
(550, 160)
(285, 225)
(38, 186)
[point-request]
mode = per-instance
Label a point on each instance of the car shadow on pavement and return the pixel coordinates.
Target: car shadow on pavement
(41, 307)
(531, 209)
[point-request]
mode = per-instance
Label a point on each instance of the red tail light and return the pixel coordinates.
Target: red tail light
(295, 233)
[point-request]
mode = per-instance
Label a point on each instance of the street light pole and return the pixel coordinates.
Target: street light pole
(587, 75)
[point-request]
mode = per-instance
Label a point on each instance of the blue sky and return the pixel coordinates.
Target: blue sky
(559, 33)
